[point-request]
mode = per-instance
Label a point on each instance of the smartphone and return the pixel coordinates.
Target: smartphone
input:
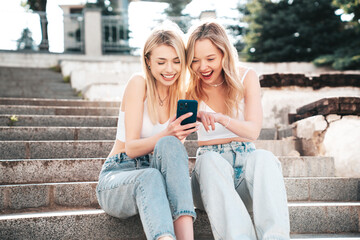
(185, 106)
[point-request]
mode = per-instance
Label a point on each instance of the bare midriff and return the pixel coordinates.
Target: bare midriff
(222, 141)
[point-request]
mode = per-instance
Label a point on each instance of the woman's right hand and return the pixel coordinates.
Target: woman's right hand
(181, 131)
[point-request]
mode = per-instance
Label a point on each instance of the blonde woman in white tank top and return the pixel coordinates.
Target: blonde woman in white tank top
(234, 177)
(147, 172)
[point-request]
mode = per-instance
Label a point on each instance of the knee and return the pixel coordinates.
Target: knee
(151, 177)
(168, 144)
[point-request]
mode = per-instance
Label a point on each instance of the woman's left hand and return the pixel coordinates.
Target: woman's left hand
(208, 119)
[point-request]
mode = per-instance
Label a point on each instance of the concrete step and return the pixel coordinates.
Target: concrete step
(57, 133)
(36, 90)
(22, 197)
(54, 149)
(316, 218)
(56, 102)
(60, 121)
(24, 171)
(330, 236)
(58, 110)
(284, 147)
(101, 148)
(98, 132)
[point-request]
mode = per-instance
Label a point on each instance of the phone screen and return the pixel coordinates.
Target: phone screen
(184, 106)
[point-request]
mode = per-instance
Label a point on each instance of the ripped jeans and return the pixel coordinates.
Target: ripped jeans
(157, 186)
(231, 181)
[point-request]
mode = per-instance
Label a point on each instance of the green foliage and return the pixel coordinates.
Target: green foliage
(12, 120)
(105, 6)
(290, 30)
(66, 79)
(55, 68)
(40, 6)
(303, 30)
(26, 42)
(346, 57)
(349, 7)
(174, 12)
(36, 5)
(324, 60)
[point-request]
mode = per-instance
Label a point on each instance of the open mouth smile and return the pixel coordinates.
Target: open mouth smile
(207, 75)
(168, 77)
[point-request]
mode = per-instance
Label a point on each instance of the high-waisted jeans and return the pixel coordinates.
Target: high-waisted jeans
(231, 181)
(157, 186)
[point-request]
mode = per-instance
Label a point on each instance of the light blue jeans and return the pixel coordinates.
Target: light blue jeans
(231, 181)
(157, 186)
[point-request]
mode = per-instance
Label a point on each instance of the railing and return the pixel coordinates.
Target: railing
(115, 34)
(74, 33)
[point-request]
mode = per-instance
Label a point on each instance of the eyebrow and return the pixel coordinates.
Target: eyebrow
(164, 59)
(210, 55)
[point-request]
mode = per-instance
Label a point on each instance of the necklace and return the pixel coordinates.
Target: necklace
(161, 102)
(216, 85)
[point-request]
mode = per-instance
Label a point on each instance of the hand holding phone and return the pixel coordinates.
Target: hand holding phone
(184, 106)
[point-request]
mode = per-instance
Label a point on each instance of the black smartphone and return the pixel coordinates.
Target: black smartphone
(185, 106)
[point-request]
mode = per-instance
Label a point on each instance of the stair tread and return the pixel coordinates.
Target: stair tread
(96, 211)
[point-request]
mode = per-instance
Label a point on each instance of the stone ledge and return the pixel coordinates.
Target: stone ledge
(326, 106)
(324, 80)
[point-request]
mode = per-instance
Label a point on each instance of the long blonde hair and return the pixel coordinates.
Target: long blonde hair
(168, 34)
(234, 89)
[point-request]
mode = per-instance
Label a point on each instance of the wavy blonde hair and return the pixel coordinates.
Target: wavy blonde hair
(168, 34)
(234, 89)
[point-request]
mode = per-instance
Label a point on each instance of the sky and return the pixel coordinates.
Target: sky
(14, 18)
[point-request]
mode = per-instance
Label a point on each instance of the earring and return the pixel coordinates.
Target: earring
(149, 67)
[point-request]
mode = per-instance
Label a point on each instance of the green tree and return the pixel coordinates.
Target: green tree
(349, 7)
(40, 7)
(347, 55)
(290, 30)
(105, 6)
(26, 42)
(174, 12)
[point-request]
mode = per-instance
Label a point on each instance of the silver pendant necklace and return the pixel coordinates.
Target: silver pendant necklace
(216, 85)
(161, 102)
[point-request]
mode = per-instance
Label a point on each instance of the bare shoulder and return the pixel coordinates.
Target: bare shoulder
(135, 89)
(249, 75)
(135, 84)
(136, 80)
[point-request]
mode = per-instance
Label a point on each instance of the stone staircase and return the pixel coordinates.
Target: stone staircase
(51, 156)
(50, 162)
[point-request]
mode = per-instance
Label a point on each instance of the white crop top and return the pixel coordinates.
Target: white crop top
(220, 131)
(147, 129)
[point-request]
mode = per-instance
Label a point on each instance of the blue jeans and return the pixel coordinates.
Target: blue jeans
(232, 180)
(157, 186)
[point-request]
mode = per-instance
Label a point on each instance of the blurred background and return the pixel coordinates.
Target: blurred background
(325, 32)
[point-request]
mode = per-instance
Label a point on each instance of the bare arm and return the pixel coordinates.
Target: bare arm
(251, 126)
(134, 106)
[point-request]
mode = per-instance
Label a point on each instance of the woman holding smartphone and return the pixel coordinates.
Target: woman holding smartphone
(147, 171)
(231, 178)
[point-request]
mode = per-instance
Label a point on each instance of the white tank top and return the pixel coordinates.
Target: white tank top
(220, 131)
(147, 129)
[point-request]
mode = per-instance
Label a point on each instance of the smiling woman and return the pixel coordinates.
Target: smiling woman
(147, 172)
